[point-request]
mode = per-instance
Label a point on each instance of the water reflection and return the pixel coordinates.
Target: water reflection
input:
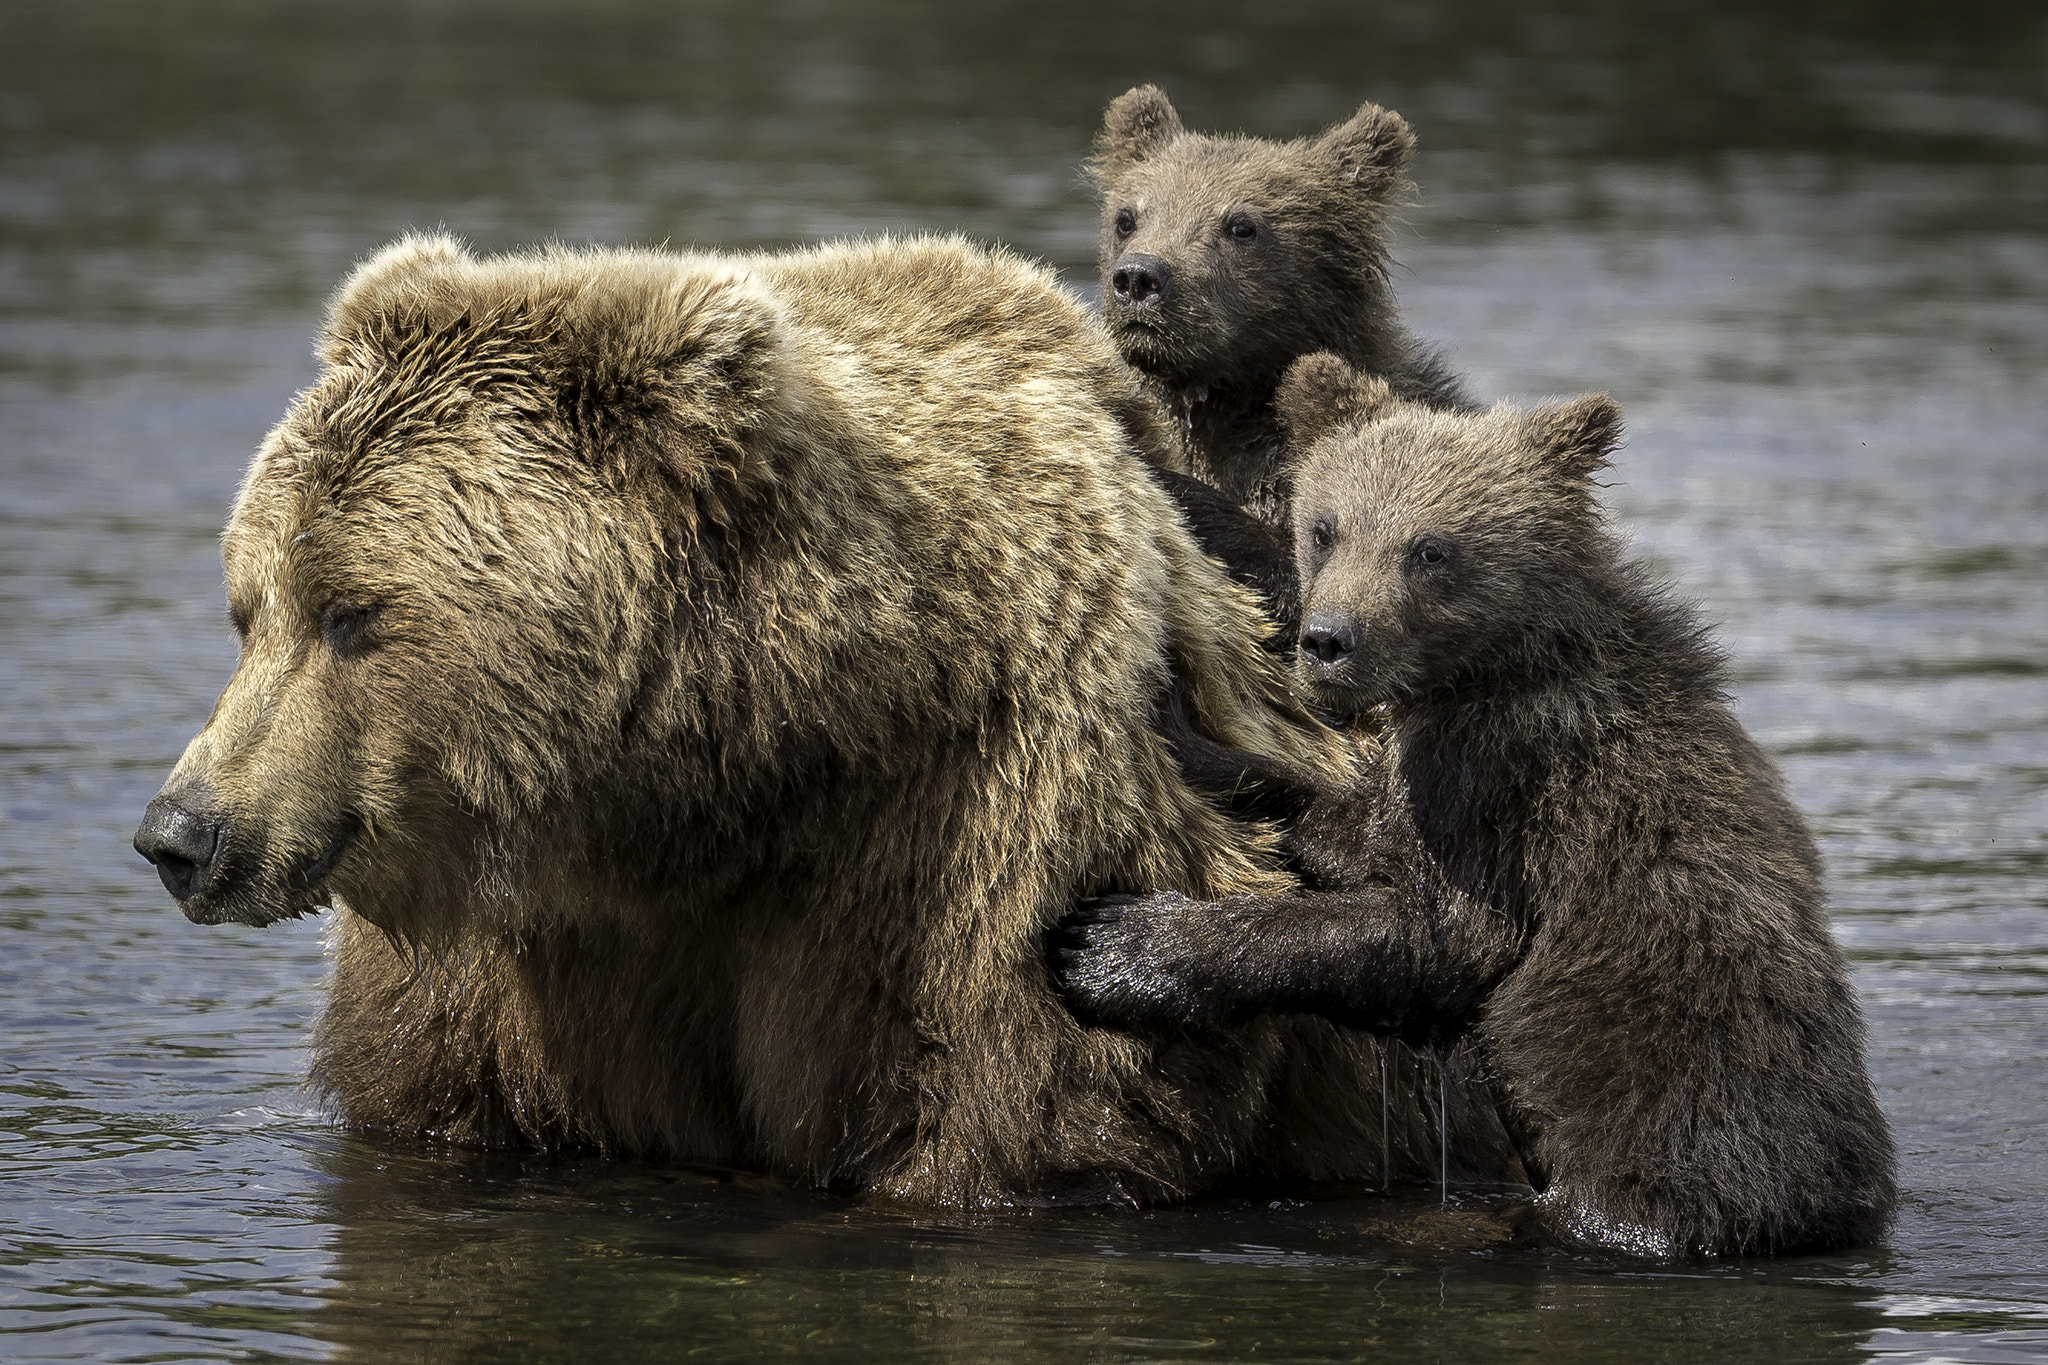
(511, 1263)
(1806, 247)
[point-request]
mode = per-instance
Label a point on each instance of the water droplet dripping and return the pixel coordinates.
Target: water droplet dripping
(1443, 1135)
(1386, 1145)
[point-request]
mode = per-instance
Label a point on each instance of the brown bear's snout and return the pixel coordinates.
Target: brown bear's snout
(184, 846)
(1141, 281)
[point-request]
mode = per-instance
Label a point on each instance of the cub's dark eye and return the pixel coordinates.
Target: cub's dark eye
(346, 627)
(1244, 229)
(1126, 222)
(1322, 535)
(1429, 550)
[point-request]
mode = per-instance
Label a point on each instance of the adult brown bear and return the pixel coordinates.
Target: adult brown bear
(696, 681)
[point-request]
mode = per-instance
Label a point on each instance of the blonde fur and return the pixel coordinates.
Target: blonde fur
(740, 661)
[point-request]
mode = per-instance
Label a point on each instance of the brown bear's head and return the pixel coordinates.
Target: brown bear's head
(1440, 550)
(1227, 257)
(455, 567)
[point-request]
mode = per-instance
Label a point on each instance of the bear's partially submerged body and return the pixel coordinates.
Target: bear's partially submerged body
(696, 682)
(1571, 854)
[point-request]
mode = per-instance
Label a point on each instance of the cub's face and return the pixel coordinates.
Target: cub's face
(1439, 551)
(1225, 257)
(1207, 253)
(1409, 568)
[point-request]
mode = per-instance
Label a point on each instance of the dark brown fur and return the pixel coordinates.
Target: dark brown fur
(695, 682)
(1263, 251)
(1570, 852)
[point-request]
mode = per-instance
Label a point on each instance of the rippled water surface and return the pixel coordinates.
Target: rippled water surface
(1809, 257)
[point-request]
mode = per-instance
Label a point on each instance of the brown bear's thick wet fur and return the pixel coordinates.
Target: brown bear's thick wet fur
(1571, 853)
(696, 682)
(1225, 258)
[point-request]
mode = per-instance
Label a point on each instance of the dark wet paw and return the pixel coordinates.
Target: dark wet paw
(1117, 961)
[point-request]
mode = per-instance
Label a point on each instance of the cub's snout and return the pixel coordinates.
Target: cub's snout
(1141, 281)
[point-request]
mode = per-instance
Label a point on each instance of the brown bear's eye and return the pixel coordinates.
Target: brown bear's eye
(1321, 535)
(1126, 222)
(1431, 551)
(345, 627)
(1243, 229)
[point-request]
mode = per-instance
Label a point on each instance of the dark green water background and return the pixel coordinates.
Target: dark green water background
(1806, 247)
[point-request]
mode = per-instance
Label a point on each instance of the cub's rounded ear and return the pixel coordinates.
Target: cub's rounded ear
(1137, 124)
(1320, 394)
(1371, 148)
(1579, 435)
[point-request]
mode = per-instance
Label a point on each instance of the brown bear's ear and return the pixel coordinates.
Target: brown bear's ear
(1371, 148)
(1320, 393)
(682, 375)
(1138, 123)
(408, 288)
(1578, 435)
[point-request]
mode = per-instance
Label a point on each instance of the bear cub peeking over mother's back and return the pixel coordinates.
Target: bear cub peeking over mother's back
(695, 682)
(1225, 258)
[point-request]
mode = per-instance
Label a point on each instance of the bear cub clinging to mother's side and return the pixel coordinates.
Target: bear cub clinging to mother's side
(1572, 853)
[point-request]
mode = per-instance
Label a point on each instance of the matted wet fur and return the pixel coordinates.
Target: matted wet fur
(1570, 853)
(696, 682)
(1226, 257)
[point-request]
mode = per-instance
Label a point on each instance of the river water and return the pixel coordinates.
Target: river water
(1808, 255)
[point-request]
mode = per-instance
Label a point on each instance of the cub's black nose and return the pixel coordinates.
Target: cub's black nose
(1327, 643)
(1140, 280)
(182, 845)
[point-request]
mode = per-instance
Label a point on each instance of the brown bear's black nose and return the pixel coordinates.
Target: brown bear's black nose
(1327, 643)
(182, 845)
(1139, 280)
